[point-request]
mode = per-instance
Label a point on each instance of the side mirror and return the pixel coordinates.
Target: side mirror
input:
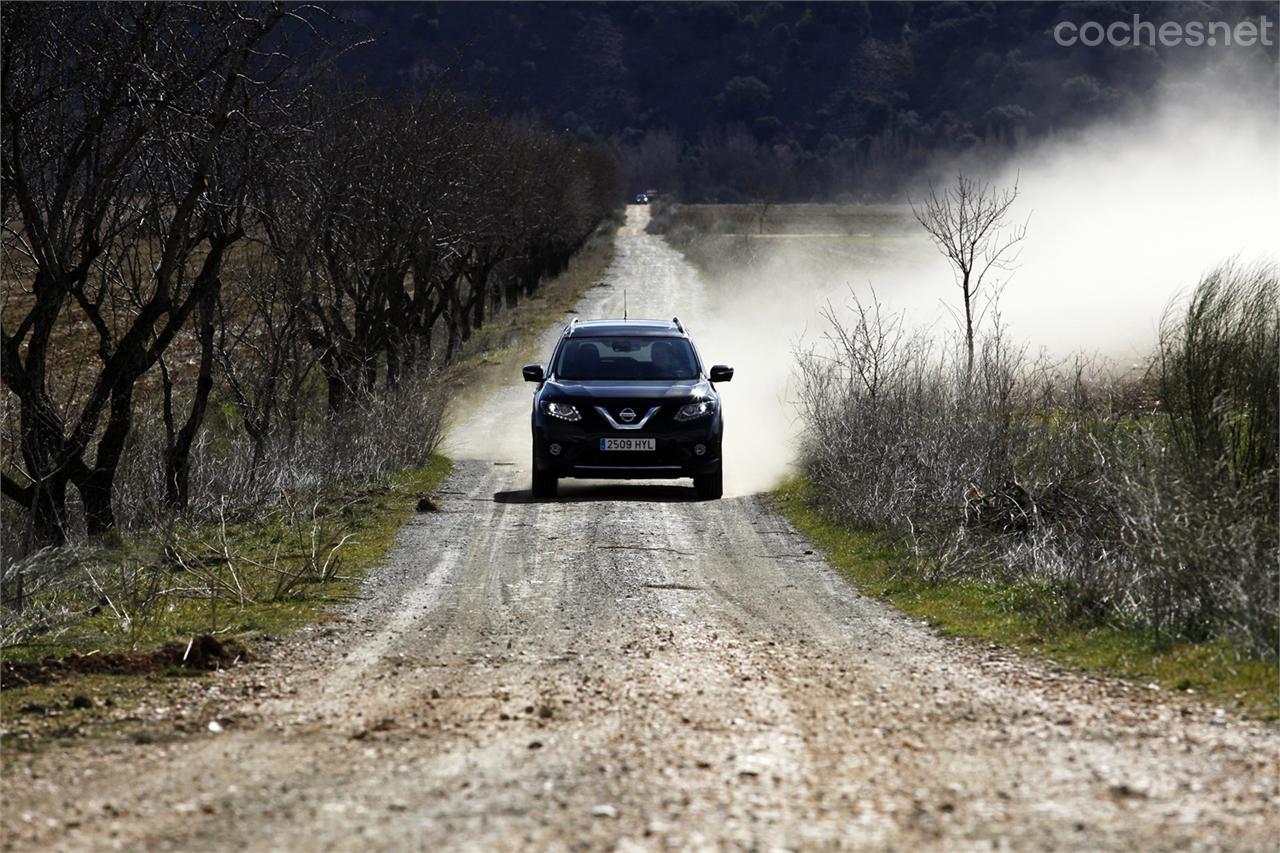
(721, 373)
(533, 373)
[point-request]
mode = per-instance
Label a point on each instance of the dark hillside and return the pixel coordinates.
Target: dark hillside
(731, 101)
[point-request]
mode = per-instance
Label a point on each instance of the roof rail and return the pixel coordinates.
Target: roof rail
(572, 323)
(679, 325)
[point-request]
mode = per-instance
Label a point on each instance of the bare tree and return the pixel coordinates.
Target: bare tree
(151, 151)
(967, 224)
(760, 207)
(260, 350)
(123, 211)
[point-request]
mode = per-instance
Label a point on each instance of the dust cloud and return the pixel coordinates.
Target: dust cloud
(1124, 217)
(1129, 216)
(767, 304)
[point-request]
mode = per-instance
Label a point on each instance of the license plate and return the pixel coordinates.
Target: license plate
(631, 444)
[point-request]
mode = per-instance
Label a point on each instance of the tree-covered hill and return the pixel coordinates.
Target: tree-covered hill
(727, 101)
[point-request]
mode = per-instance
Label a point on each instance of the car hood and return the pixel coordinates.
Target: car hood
(608, 389)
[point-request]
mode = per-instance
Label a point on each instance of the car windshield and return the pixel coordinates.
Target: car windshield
(624, 358)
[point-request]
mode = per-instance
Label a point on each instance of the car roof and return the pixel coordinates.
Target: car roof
(600, 328)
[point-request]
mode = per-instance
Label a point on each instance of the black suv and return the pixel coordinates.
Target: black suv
(626, 399)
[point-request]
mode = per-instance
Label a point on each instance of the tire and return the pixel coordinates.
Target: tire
(710, 486)
(544, 483)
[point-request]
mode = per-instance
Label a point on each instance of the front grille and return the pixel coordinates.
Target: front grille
(628, 417)
(662, 421)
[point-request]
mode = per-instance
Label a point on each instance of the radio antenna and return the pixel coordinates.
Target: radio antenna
(624, 305)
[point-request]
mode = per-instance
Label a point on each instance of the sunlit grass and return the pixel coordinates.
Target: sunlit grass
(258, 553)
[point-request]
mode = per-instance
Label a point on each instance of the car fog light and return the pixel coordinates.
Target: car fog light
(699, 449)
(555, 449)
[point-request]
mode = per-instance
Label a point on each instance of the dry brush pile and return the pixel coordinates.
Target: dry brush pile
(1146, 501)
(229, 279)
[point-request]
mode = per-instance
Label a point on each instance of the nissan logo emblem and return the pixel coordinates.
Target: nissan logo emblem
(627, 415)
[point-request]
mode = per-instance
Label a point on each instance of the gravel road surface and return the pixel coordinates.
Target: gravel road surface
(626, 668)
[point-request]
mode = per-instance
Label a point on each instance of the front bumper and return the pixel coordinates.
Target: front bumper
(580, 455)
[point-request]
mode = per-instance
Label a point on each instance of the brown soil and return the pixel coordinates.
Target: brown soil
(203, 653)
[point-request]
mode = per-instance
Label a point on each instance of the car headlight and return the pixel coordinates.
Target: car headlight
(693, 411)
(563, 411)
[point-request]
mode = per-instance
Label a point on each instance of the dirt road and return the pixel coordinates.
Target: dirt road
(628, 669)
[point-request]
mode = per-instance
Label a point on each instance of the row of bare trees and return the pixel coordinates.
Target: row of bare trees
(193, 208)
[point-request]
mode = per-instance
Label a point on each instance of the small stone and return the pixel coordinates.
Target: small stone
(535, 744)
(215, 726)
(604, 810)
(1125, 790)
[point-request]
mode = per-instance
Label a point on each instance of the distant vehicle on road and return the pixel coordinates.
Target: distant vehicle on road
(627, 399)
(642, 198)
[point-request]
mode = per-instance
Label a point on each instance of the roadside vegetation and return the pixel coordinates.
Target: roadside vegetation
(1126, 519)
(236, 296)
(1146, 501)
(1013, 613)
(111, 628)
(230, 580)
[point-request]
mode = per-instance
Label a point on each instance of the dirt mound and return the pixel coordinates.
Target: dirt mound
(202, 653)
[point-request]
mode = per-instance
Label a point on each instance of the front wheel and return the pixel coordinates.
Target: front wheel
(710, 486)
(544, 483)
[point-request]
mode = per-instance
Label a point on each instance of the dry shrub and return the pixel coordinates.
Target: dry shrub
(1148, 501)
(47, 590)
(364, 444)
